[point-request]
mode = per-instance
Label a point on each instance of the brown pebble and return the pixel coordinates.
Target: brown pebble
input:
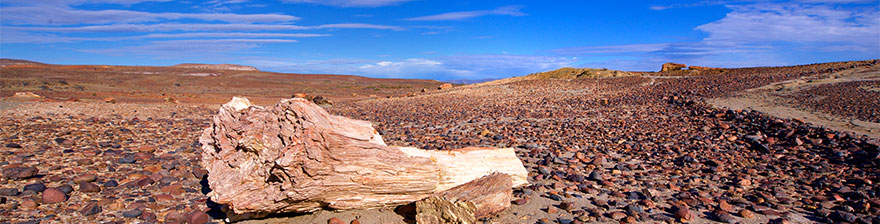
(28, 204)
(89, 187)
(198, 217)
(745, 213)
(52, 196)
(683, 213)
(335, 220)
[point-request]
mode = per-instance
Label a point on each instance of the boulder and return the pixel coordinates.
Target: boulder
(445, 86)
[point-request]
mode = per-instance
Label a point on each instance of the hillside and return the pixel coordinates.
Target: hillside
(191, 85)
(6, 62)
(217, 66)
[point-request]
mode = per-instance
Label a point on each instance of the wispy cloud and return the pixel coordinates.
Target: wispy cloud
(196, 27)
(505, 10)
(756, 34)
(441, 67)
(350, 3)
(190, 48)
(612, 49)
(795, 23)
(36, 15)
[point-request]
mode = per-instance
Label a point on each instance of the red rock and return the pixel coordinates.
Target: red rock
(745, 213)
(197, 217)
(683, 213)
(52, 196)
(335, 220)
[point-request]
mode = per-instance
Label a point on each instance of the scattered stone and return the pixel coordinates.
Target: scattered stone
(19, 173)
(8, 192)
(683, 213)
(85, 178)
(52, 196)
(335, 220)
(745, 213)
(90, 209)
(35, 187)
(134, 213)
(89, 187)
(198, 217)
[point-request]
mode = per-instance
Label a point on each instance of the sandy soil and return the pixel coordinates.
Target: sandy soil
(771, 99)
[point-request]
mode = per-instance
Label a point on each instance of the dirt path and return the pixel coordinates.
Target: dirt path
(767, 100)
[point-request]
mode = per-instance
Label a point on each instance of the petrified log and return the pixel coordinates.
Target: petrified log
(296, 157)
(467, 203)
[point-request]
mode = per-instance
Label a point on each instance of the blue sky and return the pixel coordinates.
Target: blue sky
(440, 39)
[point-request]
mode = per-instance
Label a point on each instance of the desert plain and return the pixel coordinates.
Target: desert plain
(792, 144)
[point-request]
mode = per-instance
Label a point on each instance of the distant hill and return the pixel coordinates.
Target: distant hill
(468, 81)
(577, 73)
(7, 61)
(565, 74)
(217, 66)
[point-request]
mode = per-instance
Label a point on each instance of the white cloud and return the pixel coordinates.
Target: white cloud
(505, 10)
(197, 27)
(190, 48)
(444, 67)
(37, 15)
(612, 49)
(758, 34)
(350, 3)
(794, 23)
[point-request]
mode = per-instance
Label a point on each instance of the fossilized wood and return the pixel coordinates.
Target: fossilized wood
(480, 198)
(460, 166)
(296, 157)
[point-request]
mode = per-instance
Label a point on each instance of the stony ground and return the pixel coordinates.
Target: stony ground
(629, 149)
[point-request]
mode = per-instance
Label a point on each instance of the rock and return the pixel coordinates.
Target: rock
(8, 191)
(596, 175)
(335, 220)
(13, 145)
(355, 221)
(90, 209)
(320, 100)
(110, 100)
(445, 86)
(110, 183)
(65, 188)
(198, 217)
(52, 196)
(841, 216)
(669, 67)
(567, 206)
(134, 213)
(88, 187)
(174, 216)
(85, 178)
(745, 213)
(19, 173)
(724, 217)
(617, 215)
(683, 213)
(466, 203)
(520, 201)
(724, 206)
(35, 187)
(29, 204)
(27, 95)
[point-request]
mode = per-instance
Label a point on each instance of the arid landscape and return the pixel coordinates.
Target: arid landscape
(793, 144)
